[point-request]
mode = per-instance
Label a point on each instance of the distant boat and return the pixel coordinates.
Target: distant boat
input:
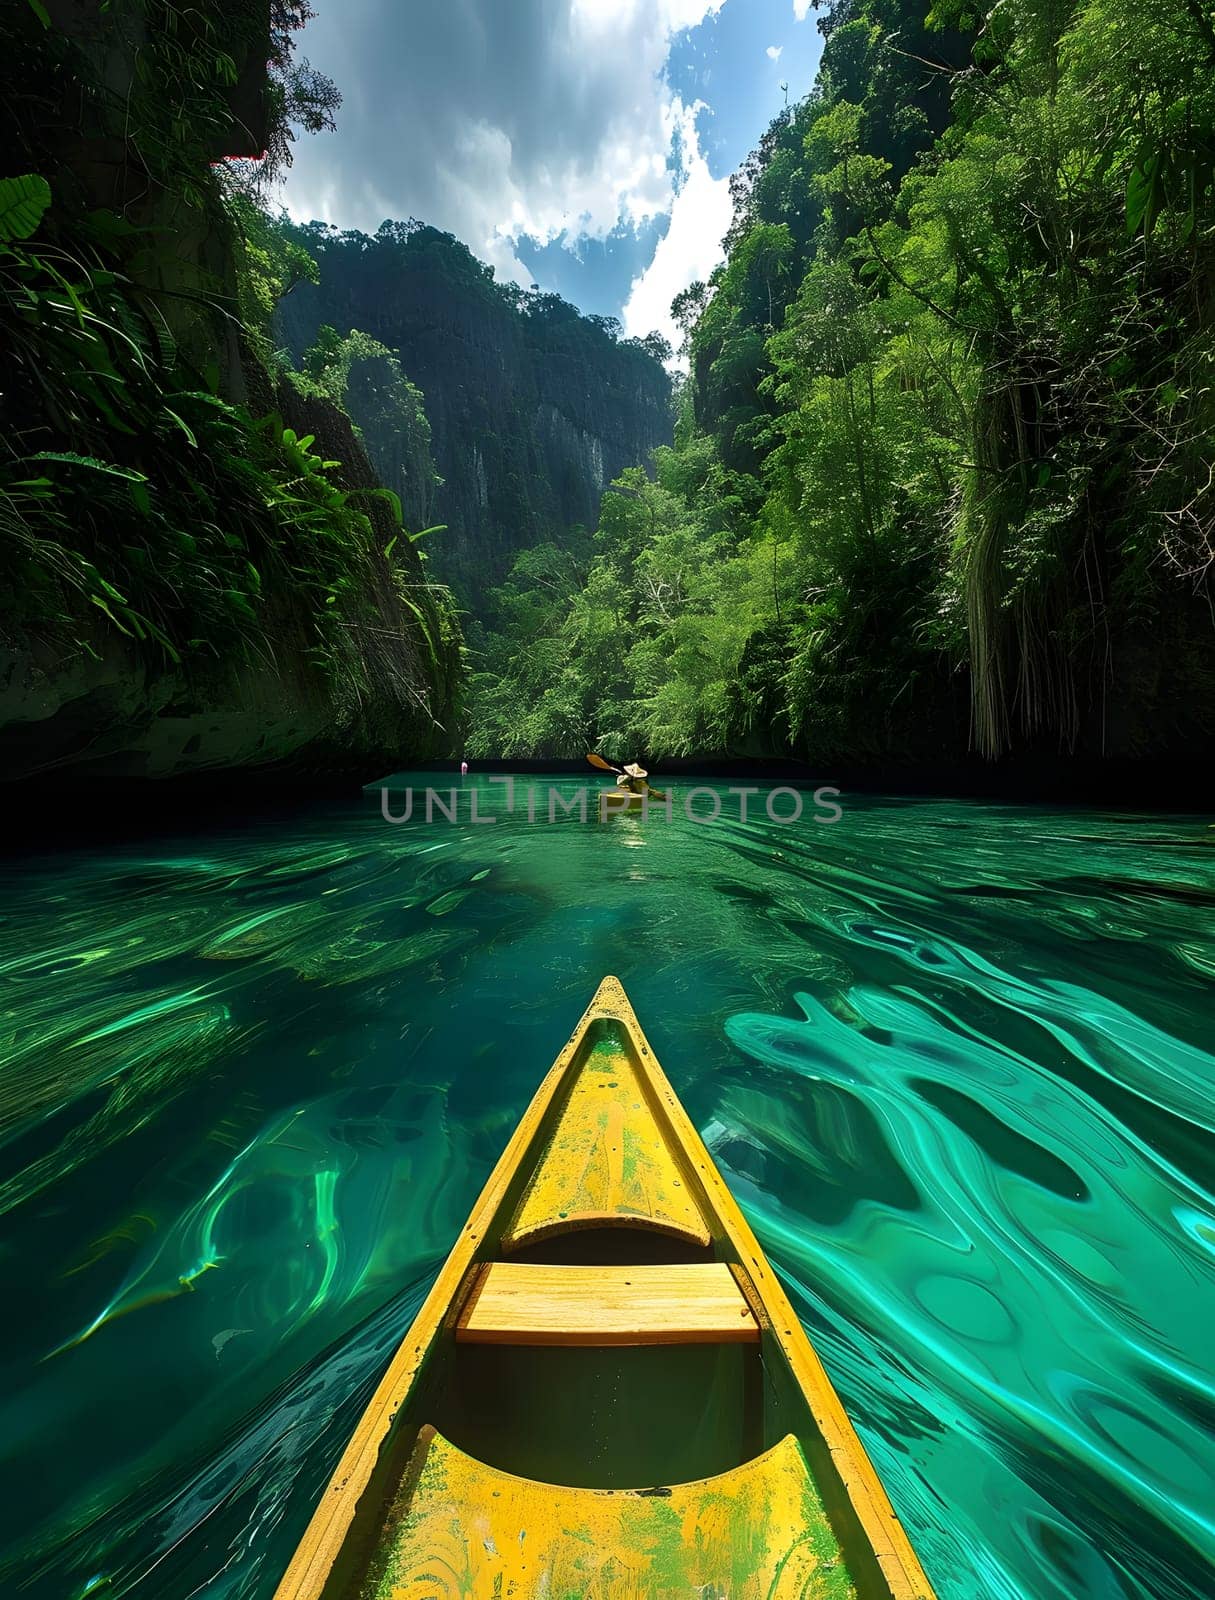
(606, 1393)
(623, 802)
(624, 798)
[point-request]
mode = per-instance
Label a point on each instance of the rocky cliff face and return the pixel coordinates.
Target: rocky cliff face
(533, 408)
(85, 701)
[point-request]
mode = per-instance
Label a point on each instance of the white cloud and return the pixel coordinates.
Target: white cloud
(773, 52)
(492, 120)
(672, 15)
(801, 9)
(700, 216)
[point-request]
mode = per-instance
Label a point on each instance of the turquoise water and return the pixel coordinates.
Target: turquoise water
(953, 1058)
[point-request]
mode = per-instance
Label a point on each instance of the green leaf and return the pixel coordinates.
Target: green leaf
(110, 225)
(22, 203)
(202, 398)
(70, 458)
(380, 493)
(1145, 193)
(103, 605)
(40, 11)
(183, 425)
(425, 630)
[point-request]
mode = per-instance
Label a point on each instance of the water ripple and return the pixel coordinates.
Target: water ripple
(953, 1060)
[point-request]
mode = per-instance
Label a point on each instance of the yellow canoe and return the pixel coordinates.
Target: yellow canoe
(606, 1393)
(622, 802)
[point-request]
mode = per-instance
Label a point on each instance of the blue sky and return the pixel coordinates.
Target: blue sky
(584, 145)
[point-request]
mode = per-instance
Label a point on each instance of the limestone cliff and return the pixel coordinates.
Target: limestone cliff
(532, 407)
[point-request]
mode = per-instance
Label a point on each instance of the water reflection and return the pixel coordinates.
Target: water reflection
(952, 1059)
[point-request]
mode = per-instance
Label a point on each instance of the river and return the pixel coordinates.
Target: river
(953, 1058)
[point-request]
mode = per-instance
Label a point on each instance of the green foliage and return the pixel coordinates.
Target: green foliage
(173, 502)
(364, 378)
(336, 365)
(23, 201)
(630, 641)
(299, 96)
(145, 502)
(948, 419)
(189, 70)
(273, 262)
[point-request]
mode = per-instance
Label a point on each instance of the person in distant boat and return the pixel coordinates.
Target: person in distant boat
(464, 769)
(631, 779)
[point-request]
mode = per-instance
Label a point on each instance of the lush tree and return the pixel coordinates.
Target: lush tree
(948, 420)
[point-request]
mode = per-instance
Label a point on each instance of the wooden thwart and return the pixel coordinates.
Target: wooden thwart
(548, 1305)
(469, 1532)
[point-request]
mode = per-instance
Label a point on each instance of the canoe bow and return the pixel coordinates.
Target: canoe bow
(605, 1151)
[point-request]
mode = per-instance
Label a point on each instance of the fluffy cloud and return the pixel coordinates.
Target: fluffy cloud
(700, 216)
(493, 120)
(801, 9)
(773, 52)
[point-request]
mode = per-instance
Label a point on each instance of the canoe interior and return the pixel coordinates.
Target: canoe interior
(602, 1418)
(605, 1418)
(756, 1533)
(614, 1418)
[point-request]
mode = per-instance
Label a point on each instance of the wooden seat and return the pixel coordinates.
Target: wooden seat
(607, 1163)
(460, 1530)
(693, 1304)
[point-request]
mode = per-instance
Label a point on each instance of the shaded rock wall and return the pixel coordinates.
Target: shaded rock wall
(86, 703)
(353, 684)
(533, 408)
